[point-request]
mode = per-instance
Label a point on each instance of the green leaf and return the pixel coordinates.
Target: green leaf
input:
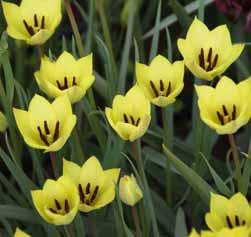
(221, 186)
(200, 186)
(180, 226)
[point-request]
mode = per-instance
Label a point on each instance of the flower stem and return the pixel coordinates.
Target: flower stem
(136, 220)
(53, 163)
(79, 43)
(236, 158)
(74, 27)
(40, 49)
(69, 231)
(168, 171)
(92, 225)
(136, 148)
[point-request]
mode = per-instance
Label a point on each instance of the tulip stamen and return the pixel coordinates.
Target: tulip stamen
(224, 110)
(161, 85)
(66, 206)
(132, 119)
(74, 81)
(237, 221)
(28, 28)
(57, 204)
(234, 113)
(43, 22)
(46, 128)
(137, 122)
(125, 118)
(42, 136)
(220, 117)
(35, 20)
(52, 210)
(212, 62)
(81, 193)
(168, 89)
(94, 195)
(87, 190)
(154, 89)
(56, 132)
(229, 222)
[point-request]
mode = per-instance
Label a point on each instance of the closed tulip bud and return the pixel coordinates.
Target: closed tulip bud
(58, 201)
(34, 21)
(20, 233)
(129, 190)
(46, 125)
(206, 53)
(3, 122)
(65, 76)
(130, 115)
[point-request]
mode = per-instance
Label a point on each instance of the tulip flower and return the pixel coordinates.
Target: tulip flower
(65, 76)
(162, 81)
(225, 108)
(129, 190)
(34, 21)
(58, 201)
(207, 53)
(130, 115)
(228, 213)
(46, 125)
(3, 122)
(20, 233)
(96, 187)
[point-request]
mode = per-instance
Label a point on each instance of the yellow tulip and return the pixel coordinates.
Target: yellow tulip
(34, 21)
(130, 115)
(20, 233)
(57, 203)
(162, 81)
(65, 76)
(228, 213)
(207, 53)
(46, 125)
(96, 186)
(129, 190)
(3, 122)
(225, 108)
(226, 232)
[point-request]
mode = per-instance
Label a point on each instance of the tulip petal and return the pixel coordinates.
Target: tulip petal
(72, 170)
(40, 37)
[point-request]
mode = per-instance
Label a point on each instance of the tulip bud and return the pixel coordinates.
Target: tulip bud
(20, 233)
(129, 190)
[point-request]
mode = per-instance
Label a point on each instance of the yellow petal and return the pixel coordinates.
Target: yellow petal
(214, 222)
(72, 170)
(40, 37)
(85, 66)
(20, 233)
(13, 17)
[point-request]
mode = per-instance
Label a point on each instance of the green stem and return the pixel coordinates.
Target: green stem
(74, 27)
(69, 231)
(136, 220)
(168, 171)
(136, 148)
(236, 159)
(92, 225)
(53, 163)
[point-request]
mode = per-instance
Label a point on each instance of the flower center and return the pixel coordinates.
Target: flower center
(46, 135)
(236, 222)
(162, 91)
(130, 119)
(65, 85)
(59, 208)
(37, 26)
(225, 116)
(208, 62)
(86, 196)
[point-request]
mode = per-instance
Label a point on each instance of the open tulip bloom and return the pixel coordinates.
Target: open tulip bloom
(130, 115)
(96, 187)
(162, 81)
(46, 125)
(58, 201)
(65, 76)
(207, 53)
(225, 108)
(34, 21)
